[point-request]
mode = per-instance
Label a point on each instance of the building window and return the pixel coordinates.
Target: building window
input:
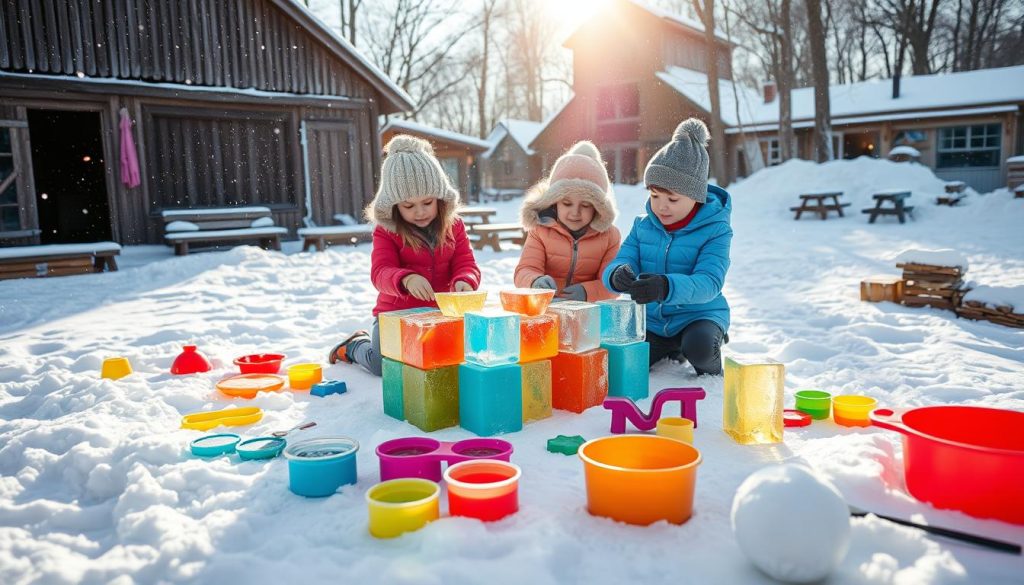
(970, 146)
(10, 219)
(772, 151)
(507, 165)
(618, 102)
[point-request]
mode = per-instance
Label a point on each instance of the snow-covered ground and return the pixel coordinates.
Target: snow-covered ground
(98, 486)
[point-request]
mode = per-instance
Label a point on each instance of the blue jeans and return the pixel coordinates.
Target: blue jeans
(367, 353)
(700, 343)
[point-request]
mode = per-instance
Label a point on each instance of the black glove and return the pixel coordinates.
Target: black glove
(622, 278)
(649, 288)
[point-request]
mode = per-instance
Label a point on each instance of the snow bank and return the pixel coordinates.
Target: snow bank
(998, 296)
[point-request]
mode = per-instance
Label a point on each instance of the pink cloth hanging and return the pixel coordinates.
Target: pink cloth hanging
(129, 158)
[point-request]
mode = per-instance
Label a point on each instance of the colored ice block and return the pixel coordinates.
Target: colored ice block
(527, 301)
(490, 399)
(390, 330)
(431, 397)
(492, 337)
(753, 400)
(538, 337)
(391, 380)
(629, 370)
(579, 380)
(456, 304)
(579, 325)
(622, 321)
(431, 340)
(536, 390)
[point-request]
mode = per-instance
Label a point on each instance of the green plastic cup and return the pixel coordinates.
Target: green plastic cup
(816, 403)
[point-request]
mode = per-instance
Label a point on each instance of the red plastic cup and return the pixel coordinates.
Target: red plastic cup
(485, 489)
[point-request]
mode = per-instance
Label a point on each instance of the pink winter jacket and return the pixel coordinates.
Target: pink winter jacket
(391, 261)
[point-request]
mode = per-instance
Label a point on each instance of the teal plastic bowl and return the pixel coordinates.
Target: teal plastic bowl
(261, 448)
(318, 467)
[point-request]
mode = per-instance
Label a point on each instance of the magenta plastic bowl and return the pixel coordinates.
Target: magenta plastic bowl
(260, 363)
(422, 456)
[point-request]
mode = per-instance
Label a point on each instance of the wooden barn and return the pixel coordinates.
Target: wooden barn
(229, 103)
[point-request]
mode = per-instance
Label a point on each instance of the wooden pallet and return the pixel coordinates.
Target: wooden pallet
(881, 288)
(925, 285)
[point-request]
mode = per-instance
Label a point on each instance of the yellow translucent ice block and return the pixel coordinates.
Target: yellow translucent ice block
(536, 390)
(753, 400)
(390, 330)
(456, 304)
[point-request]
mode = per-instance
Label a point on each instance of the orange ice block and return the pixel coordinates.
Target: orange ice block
(579, 380)
(527, 301)
(431, 340)
(538, 337)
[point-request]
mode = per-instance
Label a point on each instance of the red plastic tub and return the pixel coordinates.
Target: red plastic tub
(260, 363)
(965, 458)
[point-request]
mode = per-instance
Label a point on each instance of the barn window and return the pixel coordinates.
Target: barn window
(970, 146)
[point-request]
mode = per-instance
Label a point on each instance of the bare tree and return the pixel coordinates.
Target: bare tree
(482, 72)
(706, 11)
(349, 23)
(413, 42)
(822, 105)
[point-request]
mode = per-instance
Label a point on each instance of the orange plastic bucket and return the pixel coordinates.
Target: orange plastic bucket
(640, 479)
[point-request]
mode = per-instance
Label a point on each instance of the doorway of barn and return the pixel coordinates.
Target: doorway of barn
(68, 166)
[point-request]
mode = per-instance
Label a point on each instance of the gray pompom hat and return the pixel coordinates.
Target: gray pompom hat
(682, 164)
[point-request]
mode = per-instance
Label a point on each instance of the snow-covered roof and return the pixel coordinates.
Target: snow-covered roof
(984, 87)
(522, 131)
(375, 76)
(678, 19)
(439, 133)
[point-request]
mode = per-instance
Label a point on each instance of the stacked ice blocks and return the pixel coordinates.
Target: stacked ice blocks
(490, 381)
(579, 372)
(623, 331)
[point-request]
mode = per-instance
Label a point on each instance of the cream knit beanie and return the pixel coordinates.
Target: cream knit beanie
(410, 170)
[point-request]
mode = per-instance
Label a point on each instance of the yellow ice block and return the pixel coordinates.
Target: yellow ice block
(753, 400)
(456, 304)
(536, 390)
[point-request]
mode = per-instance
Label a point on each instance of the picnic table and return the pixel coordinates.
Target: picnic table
(479, 215)
(493, 234)
(895, 196)
(815, 202)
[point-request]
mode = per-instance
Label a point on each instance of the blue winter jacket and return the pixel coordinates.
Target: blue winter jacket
(694, 258)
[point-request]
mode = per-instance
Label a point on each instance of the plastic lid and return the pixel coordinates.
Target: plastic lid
(795, 418)
(214, 445)
(261, 448)
(322, 449)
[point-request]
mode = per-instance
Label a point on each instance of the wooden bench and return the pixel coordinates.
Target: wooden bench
(321, 237)
(1018, 193)
(955, 193)
(821, 207)
(895, 196)
(58, 259)
(183, 227)
(493, 234)
(477, 215)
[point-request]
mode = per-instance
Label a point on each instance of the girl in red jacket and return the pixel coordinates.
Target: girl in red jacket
(419, 244)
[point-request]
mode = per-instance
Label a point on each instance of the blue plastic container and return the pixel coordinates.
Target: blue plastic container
(491, 399)
(629, 370)
(215, 445)
(318, 467)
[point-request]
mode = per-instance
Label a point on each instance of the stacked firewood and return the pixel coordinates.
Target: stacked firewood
(1001, 314)
(926, 285)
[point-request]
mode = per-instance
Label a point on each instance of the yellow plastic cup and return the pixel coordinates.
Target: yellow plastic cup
(852, 411)
(303, 376)
(675, 427)
(402, 505)
(455, 304)
(115, 368)
(640, 479)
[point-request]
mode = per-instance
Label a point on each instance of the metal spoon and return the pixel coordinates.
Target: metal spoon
(301, 427)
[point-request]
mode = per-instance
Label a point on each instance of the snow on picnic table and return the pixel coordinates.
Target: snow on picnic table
(97, 486)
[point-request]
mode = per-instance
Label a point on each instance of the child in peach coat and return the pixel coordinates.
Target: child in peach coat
(570, 237)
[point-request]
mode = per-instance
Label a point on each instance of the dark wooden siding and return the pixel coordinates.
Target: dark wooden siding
(226, 43)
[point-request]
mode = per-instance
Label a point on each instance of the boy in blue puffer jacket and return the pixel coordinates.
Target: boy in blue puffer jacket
(675, 257)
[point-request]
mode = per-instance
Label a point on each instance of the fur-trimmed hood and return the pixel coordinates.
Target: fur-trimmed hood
(580, 172)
